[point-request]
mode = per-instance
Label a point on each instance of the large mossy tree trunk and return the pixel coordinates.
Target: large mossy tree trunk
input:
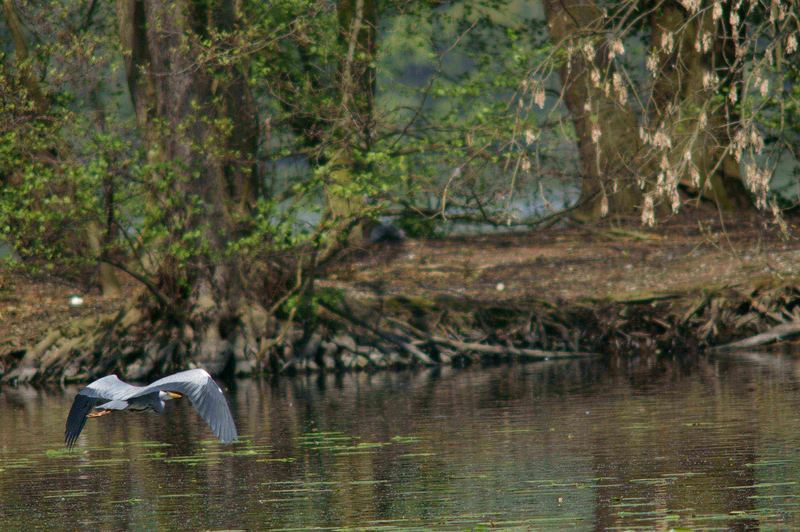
(606, 129)
(692, 49)
(201, 121)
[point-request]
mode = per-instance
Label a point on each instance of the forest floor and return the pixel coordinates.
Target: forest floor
(610, 262)
(579, 273)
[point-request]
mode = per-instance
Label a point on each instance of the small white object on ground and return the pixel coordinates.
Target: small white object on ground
(500, 287)
(75, 301)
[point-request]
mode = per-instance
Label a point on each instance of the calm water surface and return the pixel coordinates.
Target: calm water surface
(553, 445)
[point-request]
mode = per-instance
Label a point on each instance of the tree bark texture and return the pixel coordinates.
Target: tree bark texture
(607, 137)
(683, 97)
(22, 54)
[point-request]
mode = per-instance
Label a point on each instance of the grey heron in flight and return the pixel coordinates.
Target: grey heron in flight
(109, 394)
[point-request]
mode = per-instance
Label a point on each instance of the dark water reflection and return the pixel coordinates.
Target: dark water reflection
(554, 445)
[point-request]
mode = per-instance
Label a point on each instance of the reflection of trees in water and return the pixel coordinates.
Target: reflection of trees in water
(711, 423)
(508, 439)
(468, 424)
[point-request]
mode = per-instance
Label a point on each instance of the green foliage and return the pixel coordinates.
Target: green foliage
(446, 126)
(441, 100)
(42, 199)
(57, 160)
(306, 305)
(417, 225)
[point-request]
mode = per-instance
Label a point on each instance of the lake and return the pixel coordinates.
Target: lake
(712, 443)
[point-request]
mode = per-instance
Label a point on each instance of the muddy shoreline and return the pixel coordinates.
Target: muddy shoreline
(684, 287)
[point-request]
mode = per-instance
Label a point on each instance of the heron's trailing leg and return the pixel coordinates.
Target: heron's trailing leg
(99, 413)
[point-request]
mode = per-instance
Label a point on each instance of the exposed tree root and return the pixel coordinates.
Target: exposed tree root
(136, 346)
(396, 332)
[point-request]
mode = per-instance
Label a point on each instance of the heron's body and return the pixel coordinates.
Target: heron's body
(152, 401)
(110, 394)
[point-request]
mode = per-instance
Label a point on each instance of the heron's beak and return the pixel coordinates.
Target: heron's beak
(175, 395)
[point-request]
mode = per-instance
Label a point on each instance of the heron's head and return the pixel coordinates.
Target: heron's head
(167, 396)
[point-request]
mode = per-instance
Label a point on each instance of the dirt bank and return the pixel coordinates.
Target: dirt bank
(690, 283)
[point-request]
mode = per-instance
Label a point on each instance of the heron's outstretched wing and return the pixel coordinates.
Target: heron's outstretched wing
(205, 395)
(102, 390)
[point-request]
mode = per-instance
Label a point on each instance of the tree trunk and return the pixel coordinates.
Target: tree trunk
(697, 48)
(107, 277)
(180, 103)
(133, 38)
(354, 127)
(606, 129)
(22, 54)
(358, 21)
(101, 240)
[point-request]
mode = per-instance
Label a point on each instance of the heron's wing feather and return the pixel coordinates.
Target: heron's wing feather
(109, 388)
(77, 417)
(99, 391)
(205, 395)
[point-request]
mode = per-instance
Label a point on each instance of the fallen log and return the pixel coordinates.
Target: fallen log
(505, 350)
(783, 331)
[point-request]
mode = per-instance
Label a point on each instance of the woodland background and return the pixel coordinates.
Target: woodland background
(226, 155)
